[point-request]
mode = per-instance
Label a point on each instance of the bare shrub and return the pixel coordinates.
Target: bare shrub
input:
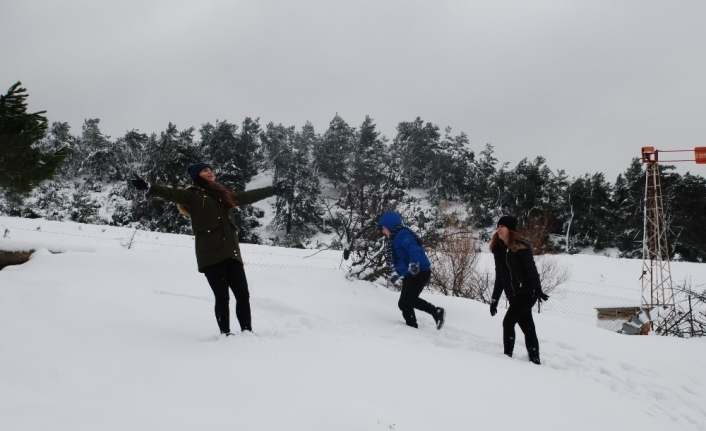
(552, 273)
(688, 318)
(454, 260)
(482, 283)
(536, 231)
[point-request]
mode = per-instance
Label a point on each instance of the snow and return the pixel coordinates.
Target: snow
(98, 336)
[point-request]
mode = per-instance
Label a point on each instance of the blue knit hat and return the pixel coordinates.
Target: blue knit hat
(390, 220)
(195, 169)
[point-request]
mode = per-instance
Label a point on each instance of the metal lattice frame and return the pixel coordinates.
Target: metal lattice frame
(656, 277)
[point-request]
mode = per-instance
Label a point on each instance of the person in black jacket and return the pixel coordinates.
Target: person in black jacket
(210, 206)
(516, 274)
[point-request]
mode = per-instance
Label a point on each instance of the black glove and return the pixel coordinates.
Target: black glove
(138, 183)
(282, 188)
(541, 296)
(494, 307)
(346, 253)
(414, 268)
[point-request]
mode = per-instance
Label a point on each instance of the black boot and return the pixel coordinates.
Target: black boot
(439, 317)
(409, 316)
(223, 323)
(534, 355)
(508, 344)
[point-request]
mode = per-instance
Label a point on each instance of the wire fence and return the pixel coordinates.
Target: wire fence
(580, 306)
(583, 307)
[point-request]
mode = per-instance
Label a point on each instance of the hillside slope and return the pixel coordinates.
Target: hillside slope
(103, 337)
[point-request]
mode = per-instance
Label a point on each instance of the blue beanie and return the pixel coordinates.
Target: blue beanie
(390, 220)
(195, 169)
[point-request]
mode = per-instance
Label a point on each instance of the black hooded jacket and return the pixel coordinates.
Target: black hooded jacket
(515, 272)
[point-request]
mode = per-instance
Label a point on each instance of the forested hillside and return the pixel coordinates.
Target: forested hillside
(344, 177)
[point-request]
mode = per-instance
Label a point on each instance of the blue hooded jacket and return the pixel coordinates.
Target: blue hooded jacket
(404, 245)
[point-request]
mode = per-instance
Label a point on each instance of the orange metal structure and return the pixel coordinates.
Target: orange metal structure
(657, 291)
(700, 155)
(650, 155)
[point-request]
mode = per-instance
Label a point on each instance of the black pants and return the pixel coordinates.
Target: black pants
(412, 287)
(221, 276)
(520, 313)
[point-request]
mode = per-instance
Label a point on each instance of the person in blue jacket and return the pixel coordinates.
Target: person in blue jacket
(406, 257)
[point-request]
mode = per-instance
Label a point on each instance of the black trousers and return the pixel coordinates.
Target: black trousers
(229, 274)
(412, 287)
(520, 313)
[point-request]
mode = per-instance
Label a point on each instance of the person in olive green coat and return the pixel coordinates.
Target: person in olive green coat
(210, 206)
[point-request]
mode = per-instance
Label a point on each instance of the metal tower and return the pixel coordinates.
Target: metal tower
(657, 291)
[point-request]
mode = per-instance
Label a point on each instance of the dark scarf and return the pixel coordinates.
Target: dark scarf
(390, 249)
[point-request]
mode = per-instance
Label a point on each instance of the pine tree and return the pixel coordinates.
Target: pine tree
(60, 138)
(52, 200)
(290, 153)
(560, 208)
(359, 200)
(249, 147)
(685, 214)
(482, 190)
(373, 184)
(629, 202)
(529, 188)
(22, 165)
(450, 169)
(233, 155)
(414, 146)
(134, 144)
(331, 152)
(166, 160)
(102, 160)
(590, 197)
(528, 193)
(84, 208)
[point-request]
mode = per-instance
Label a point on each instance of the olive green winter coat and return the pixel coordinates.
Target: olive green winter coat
(213, 224)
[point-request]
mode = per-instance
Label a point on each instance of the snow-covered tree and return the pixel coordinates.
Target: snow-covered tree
(450, 168)
(590, 197)
(628, 219)
(166, 159)
(414, 147)
(290, 152)
(332, 151)
(22, 165)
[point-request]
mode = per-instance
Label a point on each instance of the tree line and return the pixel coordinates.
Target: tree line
(343, 179)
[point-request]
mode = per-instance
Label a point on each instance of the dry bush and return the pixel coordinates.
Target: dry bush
(552, 273)
(454, 260)
(688, 318)
(482, 284)
(455, 273)
(536, 231)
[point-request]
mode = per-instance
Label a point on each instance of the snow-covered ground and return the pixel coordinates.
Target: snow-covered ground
(98, 336)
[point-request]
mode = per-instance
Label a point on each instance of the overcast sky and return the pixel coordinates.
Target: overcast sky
(585, 84)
